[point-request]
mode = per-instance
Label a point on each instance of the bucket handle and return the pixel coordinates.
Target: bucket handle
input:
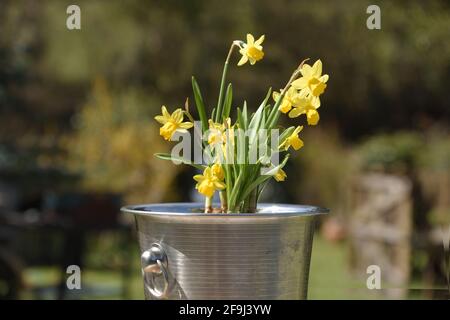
(155, 263)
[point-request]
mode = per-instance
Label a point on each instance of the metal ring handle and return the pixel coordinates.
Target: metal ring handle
(155, 263)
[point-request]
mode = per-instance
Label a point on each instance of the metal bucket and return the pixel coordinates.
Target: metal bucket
(187, 254)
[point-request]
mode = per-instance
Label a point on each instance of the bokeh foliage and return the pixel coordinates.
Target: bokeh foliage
(113, 146)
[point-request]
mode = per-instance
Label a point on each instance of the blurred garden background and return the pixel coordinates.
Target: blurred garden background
(77, 135)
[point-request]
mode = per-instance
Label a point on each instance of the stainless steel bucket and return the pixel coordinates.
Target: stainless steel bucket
(187, 254)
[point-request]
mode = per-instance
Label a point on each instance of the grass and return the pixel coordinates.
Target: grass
(329, 276)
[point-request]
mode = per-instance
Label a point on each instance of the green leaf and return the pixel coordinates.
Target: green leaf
(263, 178)
(222, 87)
(235, 191)
(199, 104)
(240, 119)
(227, 103)
(274, 113)
(245, 115)
(257, 118)
(261, 189)
(167, 156)
(267, 111)
(272, 121)
(213, 113)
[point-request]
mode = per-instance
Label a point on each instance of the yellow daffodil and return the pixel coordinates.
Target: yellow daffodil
(306, 105)
(312, 116)
(172, 122)
(293, 140)
(290, 99)
(208, 182)
(312, 80)
(216, 133)
(280, 175)
(218, 136)
(252, 50)
(217, 171)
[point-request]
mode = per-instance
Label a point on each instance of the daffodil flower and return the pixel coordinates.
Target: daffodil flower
(218, 136)
(306, 105)
(312, 80)
(217, 171)
(209, 181)
(312, 116)
(280, 175)
(172, 123)
(216, 133)
(238, 187)
(293, 140)
(252, 50)
(290, 99)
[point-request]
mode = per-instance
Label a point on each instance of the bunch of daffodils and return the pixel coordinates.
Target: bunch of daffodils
(241, 152)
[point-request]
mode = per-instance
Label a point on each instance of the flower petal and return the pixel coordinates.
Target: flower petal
(315, 102)
(219, 185)
(306, 70)
(161, 119)
(296, 143)
(250, 39)
(164, 112)
(199, 177)
(181, 130)
(280, 175)
(297, 130)
(317, 69)
(260, 40)
(312, 116)
(275, 96)
(318, 89)
(285, 106)
(177, 115)
(295, 112)
(243, 60)
(186, 125)
(300, 83)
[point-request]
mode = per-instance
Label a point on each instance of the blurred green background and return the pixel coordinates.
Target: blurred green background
(77, 108)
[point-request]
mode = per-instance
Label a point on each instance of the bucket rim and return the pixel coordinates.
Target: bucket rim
(186, 209)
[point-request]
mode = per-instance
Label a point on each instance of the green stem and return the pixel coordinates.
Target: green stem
(208, 205)
(229, 185)
(219, 109)
(252, 201)
(223, 201)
